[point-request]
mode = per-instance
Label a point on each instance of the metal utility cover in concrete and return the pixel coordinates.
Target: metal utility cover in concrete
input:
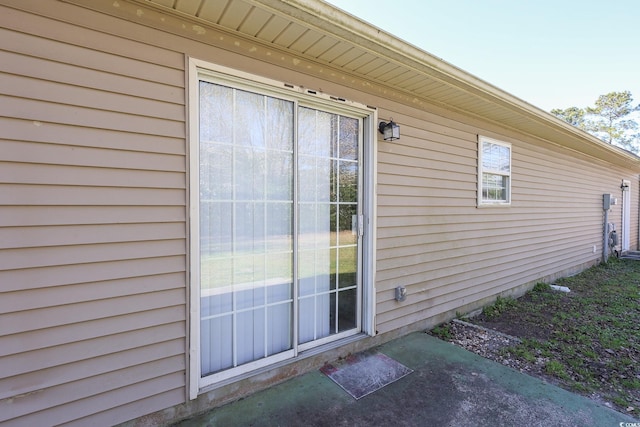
(362, 374)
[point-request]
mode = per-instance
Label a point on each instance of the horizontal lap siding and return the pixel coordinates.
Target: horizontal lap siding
(449, 253)
(92, 232)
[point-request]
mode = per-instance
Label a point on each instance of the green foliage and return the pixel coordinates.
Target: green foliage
(631, 384)
(498, 307)
(555, 368)
(609, 119)
(442, 331)
(523, 352)
(541, 287)
(572, 115)
(590, 334)
(622, 401)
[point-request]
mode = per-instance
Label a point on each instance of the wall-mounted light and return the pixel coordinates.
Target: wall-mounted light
(624, 186)
(391, 130)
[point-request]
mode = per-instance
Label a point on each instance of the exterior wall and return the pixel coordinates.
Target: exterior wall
(93, 230)
(92, 224)
(433, 239)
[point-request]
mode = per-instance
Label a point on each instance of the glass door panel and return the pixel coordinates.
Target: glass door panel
(328, 241)
(246, 214)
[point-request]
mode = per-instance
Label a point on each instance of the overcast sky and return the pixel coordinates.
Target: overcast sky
(550, 53)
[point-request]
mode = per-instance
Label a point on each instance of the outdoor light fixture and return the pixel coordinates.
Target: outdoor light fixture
(624, 186)
(391, 130)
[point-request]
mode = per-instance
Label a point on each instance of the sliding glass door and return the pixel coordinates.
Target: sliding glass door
(328, 255)
(279, 226)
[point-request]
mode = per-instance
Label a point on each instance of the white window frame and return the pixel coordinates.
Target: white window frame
(481, 171)
(197, 68)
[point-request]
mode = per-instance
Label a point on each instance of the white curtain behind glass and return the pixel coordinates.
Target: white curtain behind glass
(315, 169)
(246, 201)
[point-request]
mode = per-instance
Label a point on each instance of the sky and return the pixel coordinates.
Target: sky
(552, 54)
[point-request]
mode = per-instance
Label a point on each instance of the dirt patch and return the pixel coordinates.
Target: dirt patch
(494, 345)
(586, 341)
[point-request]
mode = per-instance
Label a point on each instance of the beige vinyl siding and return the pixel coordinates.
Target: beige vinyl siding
(93, 205)
(93, 235)
(433, 239)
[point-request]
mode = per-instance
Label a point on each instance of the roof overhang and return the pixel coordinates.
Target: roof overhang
(336, 46)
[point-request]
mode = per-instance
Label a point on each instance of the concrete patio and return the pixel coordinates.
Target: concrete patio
(449, 387)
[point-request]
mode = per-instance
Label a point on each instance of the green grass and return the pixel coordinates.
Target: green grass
(442, 331)
(557, 369)
(592, 334)
(262, 264)
(523, 352)
(499, 306)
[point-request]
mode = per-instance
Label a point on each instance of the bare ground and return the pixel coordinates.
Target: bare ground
(586, 341)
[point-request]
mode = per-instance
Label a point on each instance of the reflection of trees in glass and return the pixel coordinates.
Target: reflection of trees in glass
(494, 187)
(328, 162)
(216, 121)
(348, 182)
(344, 172)
(247, 172)
(495, 157)
(348, 138)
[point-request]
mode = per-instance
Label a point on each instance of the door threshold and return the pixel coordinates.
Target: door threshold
(302, 356)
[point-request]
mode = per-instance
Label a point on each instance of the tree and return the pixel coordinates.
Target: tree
(572, 115)
(608, 120)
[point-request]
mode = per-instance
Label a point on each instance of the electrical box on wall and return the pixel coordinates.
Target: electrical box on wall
(401, 293)
(608, 200)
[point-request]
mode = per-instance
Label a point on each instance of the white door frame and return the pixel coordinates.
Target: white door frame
(197, 68)
(626, 215)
